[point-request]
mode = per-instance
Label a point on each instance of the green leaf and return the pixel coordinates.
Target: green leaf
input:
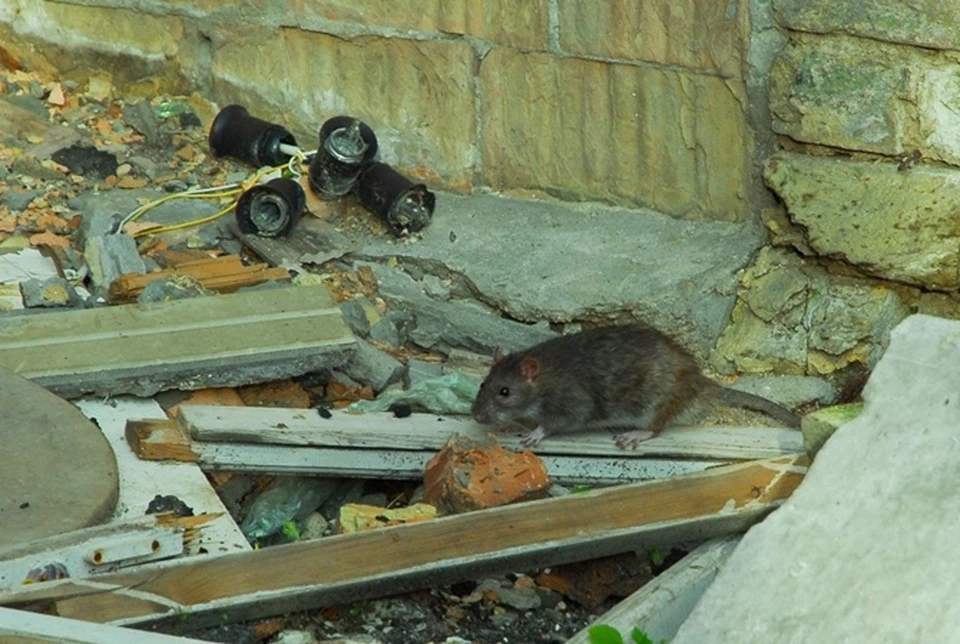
(656, 557)
(604, 634)
(639, 637)
(579, 489)
(290, 530)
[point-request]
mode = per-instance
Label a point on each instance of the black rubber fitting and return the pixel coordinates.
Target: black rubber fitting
(345, 145)
(405, 207)
(236, 133)
(271, 209)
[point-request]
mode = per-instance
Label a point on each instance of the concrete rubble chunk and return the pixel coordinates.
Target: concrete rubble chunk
(47, 293)
(217, 341)
(110, 256)
(373, 367)
(17, 200)
(865, 550)
(441, 326)
(357, 312)
(613, 261)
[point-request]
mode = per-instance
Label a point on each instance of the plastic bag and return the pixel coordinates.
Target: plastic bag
(450, 394)
(290, 498)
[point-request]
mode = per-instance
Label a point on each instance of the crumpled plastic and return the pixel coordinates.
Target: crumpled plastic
(452, 393)
(290, 498)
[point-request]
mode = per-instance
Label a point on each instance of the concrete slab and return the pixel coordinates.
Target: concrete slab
(866, 549)
(560, 262)
(140, 349)
(57, 471)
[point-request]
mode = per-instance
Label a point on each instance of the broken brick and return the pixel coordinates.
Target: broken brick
(225, 396)
(281, 393)
(472, 474)
(590, 583)
(49, 239)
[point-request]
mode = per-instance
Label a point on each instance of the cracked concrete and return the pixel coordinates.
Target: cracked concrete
(561, 262)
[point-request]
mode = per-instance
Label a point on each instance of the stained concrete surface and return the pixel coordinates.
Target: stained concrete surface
(57, 471)
(538, 260)
(866, 549)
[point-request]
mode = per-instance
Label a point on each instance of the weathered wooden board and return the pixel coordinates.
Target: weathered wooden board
(164, 440)
(221, 274)
(102, 548)
(24, 627)
(301, 575)
(301, 427)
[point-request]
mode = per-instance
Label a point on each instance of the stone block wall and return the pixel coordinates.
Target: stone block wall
(865, 99)
(633, 102)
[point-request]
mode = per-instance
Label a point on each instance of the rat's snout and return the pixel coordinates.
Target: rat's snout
(480, 414)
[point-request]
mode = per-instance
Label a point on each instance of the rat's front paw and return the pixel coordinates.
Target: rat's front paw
(533, 437)
(632, 439)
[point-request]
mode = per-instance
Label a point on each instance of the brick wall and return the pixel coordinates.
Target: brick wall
(632, 102)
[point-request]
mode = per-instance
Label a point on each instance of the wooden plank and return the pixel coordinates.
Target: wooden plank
(164, 439)
(279, 426)
(225, 340)
(302, 575)
(159, 440)
(662, 605)
(23, 627)
(222, 274)
(141, 481)
(103, 548)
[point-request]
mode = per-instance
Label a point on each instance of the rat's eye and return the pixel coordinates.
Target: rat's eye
(505, 392)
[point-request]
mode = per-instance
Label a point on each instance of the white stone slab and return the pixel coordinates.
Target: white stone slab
(868, 547)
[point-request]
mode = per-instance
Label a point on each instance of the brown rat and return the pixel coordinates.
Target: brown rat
(629, 376)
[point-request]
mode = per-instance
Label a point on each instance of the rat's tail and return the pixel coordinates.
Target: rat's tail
(734, 398)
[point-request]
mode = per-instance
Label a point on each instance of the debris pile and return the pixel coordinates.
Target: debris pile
(258, 390)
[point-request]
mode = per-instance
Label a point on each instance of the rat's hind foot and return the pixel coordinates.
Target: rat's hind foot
(632, 439)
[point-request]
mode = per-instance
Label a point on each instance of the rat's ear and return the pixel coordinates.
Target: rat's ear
(529, 368)
(497, 355)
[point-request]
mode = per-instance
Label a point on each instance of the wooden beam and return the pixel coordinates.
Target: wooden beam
(305, 427)
(23, 627)
(661, 606)
(222, 274)
(103, 548)
(307, 574)
(165, 440)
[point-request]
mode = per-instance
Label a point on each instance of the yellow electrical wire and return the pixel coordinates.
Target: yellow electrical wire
(232, 192)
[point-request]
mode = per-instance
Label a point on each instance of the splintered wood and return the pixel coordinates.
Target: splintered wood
(222, 274)
(720, 501)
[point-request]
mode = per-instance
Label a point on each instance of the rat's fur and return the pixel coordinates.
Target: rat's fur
(622, 376)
